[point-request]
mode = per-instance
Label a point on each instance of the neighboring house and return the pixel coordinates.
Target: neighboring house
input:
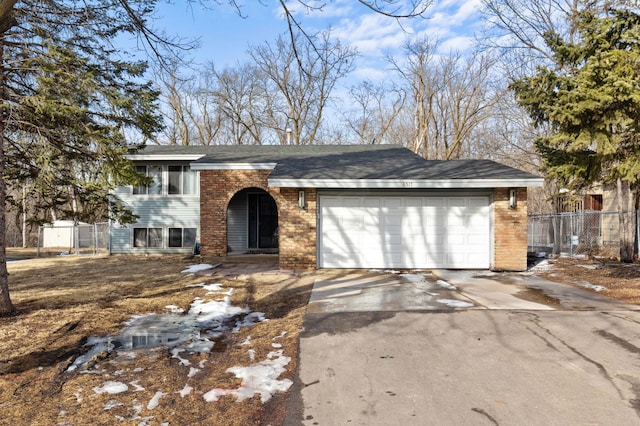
(329, 206)
(595, 216)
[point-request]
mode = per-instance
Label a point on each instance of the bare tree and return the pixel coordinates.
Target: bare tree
(300, 83)
(449, 97)
(376, 107)
(239, 95)
(175, 93)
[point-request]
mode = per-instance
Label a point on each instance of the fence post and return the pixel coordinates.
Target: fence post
(76, 238)
(38, 243)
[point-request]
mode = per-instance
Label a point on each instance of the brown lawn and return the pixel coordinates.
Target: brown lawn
(63, 301)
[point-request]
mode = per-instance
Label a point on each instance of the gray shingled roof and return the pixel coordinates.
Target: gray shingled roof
(344, 162)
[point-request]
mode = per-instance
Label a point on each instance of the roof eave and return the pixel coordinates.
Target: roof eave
(233, 166)
(164, 157)
(405, 183)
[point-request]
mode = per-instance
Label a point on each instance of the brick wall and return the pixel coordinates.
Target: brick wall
(510, 231)
(296, 228)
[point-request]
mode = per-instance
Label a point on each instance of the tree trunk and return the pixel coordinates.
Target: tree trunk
(626, 220)
(6, 307)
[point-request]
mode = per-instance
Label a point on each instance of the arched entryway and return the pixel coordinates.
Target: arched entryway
(252, 222)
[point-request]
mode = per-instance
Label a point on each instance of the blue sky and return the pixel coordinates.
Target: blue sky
(225, 36)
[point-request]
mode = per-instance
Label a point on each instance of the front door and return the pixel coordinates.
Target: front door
(263, 221)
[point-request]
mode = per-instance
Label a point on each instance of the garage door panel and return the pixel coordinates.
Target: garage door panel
(404, 232)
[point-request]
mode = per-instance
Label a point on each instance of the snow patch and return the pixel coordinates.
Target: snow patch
(186, 390)
(444, 284)
(174, 309)
(111, 388)
(211, 288)
(260, 378)
(153, 403)
(197, 268)
(452, 303)
(112, 403)
(136, 386)
(542, 266)
(414, 278)
(590, 286)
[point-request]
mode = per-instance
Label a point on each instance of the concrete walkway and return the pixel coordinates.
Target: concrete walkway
(383, 349)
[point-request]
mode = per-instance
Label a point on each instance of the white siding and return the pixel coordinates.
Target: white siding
(155, 211)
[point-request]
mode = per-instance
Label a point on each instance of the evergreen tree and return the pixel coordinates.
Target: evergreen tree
(70, 103)
(591, 99)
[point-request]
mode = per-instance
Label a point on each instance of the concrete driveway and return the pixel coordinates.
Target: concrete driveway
(465, 348)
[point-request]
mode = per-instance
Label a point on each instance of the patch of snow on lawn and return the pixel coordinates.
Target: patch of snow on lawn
(174, 309)
(153, 403)
(197, 268)
(111, 388)
(136, 385)
(446, 285)
(209, 287)
(215, 313)
(455, 303)
(260, 378)
(175, 353)
(542, 266)
(100, 344)
(186, 390)
(112, 403)
(590, 286)
(251, 319)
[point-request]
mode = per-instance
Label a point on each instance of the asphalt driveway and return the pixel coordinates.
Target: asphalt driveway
(464, 348)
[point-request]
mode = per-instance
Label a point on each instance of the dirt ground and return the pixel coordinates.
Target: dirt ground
(65, 301)
(608, 277)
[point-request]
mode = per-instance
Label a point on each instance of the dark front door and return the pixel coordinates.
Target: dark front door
(263, 222)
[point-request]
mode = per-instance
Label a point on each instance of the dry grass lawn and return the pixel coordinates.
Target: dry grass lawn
(620, 280)
(63, 301)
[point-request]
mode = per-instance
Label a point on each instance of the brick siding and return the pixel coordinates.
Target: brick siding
(510, 231)
(296, 228)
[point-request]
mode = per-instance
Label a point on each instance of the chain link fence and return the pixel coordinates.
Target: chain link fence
(73, 239)
(576, 233)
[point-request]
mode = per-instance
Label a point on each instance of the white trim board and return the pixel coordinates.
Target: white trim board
(233, 166)
(405, 183)
(165, 157)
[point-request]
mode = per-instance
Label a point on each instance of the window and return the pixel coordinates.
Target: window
(182, 237)
(153, 188)
(182, 180)
(147, 237)
(593, 202)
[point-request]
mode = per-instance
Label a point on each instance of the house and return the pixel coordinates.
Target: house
(329, 206)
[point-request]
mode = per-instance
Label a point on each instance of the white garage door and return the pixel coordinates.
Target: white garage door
(404, 232)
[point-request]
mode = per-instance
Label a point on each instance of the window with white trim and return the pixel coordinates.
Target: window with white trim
(182, 237)
(155, 186)
(147, 237)
(182, 180)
